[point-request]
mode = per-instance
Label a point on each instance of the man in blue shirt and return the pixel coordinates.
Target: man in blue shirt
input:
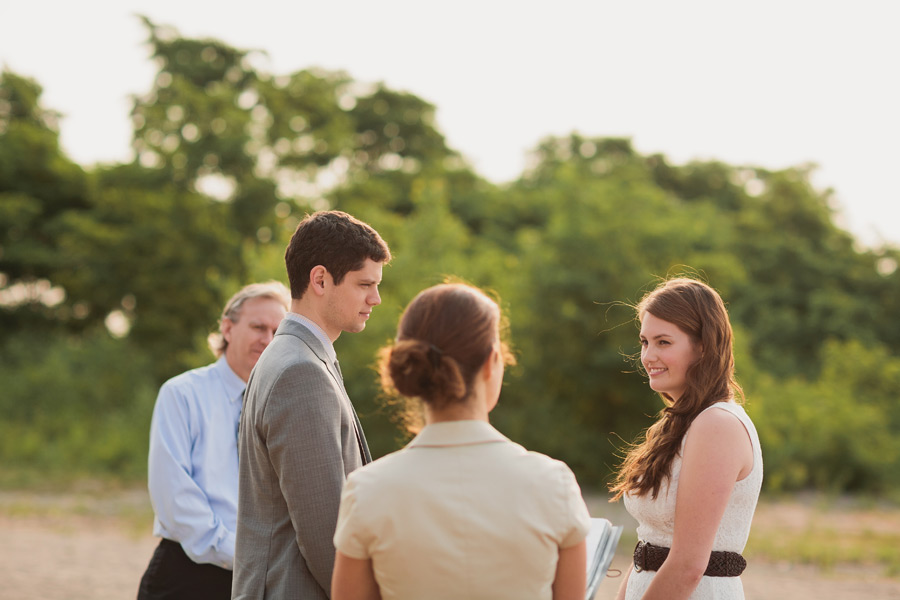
(193, 462)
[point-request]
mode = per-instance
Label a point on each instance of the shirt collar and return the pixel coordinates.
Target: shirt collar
(234, 385)
(457, 433)
(316, 330)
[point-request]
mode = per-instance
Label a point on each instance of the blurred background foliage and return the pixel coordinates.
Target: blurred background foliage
(112, 276)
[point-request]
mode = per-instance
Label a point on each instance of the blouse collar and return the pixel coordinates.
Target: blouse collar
(457, 433)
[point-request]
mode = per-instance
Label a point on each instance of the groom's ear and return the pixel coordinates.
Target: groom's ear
(317, 277)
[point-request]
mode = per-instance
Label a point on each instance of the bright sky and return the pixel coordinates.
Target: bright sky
(773, 83)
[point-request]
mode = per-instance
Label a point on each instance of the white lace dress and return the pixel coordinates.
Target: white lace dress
(656, 520)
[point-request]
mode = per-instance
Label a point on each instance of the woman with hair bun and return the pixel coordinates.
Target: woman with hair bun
(460, 512)
(694, 480)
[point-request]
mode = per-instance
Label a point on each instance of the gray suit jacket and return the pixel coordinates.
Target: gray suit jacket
(299, 438)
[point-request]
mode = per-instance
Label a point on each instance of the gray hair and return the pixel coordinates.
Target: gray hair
(274, 290)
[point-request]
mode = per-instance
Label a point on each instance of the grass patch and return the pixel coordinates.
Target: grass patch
(827, 532)
(93, 502)
(827, 548)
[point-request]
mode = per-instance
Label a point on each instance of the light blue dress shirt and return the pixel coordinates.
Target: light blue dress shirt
(193, 463)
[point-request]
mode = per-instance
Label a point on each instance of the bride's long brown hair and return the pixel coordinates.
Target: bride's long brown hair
(696, 309)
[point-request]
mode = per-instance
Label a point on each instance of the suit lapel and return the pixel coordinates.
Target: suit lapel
(360, 435)
(291, 327)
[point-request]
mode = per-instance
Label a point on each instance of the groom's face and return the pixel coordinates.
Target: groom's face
(349, 304)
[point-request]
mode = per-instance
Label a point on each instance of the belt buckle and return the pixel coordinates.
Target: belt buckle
(642, 551)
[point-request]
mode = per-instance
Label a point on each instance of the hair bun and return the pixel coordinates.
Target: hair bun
(419, 369)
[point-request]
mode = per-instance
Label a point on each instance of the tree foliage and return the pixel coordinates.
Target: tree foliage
(227, 159)
(39, 186)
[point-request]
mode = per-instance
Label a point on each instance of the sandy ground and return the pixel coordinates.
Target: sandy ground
(77, 550)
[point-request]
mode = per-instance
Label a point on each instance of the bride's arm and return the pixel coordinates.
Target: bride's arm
(717, 453)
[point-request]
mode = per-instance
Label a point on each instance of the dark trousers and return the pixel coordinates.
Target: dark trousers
(171, 575)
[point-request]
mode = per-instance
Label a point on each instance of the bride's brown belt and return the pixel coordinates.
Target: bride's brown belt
(648, 557)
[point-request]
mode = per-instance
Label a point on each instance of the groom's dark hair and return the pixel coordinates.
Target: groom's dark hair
(339, 242)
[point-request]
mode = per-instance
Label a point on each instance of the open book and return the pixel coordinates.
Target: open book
(601, 544)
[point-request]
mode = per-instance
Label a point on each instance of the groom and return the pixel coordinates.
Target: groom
(299, 433)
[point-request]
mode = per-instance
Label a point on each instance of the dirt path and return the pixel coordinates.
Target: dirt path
(81, 552)
(74, 561)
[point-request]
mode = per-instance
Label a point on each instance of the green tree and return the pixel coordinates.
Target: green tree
(162, 260)
(837, 433)
(608, 231)
(429, 243)
(228, 157)
(39, 185)
(804, 277)
(74, 406)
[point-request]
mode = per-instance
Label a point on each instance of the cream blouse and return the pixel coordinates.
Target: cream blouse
(462, 512)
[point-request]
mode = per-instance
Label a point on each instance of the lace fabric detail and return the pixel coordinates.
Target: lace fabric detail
(656, 519)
